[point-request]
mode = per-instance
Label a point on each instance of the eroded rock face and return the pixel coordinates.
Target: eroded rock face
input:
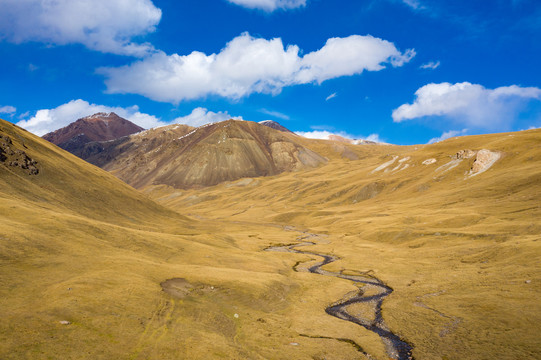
(484, 161)
(464, 154)
(13, 157)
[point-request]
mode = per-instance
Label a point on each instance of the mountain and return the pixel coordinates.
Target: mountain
(37, 172)
(274, 125)
(93, 269)
(97, 127)
(439, 243)
(101, 153)
(452, 228)
(83, 257)
(183, 157)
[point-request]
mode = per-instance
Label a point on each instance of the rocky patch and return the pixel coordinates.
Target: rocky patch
(464, 154)
(13, 157)
(484, 161)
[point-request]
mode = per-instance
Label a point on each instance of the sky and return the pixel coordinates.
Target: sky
(396, 71)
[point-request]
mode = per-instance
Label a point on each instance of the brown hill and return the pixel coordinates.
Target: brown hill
(101, 153)
(453, 228)
(184, 157)
(97, 127)
(33, 171)
(274, 125)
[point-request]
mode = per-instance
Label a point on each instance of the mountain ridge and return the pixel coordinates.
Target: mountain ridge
(96, 127)
(183, 157)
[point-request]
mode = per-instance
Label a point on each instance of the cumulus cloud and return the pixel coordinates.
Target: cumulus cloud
(250, 65)
(7, 109)
(322, 134)
(469, 104)
(102, 25)
(327, 135)
(269, 5)
(374, 138)
(201, 116)
(47, 120)
(430, 65)
(447, 135)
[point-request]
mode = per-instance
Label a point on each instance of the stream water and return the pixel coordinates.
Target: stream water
(363, 308)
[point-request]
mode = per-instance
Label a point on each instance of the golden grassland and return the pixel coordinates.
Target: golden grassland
(463, 256)
(462, 253)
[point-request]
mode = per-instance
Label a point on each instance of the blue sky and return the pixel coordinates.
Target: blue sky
(399, 71)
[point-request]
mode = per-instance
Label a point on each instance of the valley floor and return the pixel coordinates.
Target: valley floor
(92, 269)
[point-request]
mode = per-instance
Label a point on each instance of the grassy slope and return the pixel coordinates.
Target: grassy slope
(78, 245)
(208, 156)
(461, 253)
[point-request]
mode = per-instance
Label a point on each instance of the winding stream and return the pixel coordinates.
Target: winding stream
(364, 307)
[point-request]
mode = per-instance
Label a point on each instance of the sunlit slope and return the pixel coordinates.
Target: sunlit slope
(461, 252)
(85, 262)
(388, 176)
(131, 148)
(205, 156)
(65, 183)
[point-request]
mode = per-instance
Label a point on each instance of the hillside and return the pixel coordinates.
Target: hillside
(101, 153)
(445, 235)
(274, 125)
(452, 227)
(90, 268)
(36, 172)
(97, 127)
(183, 157)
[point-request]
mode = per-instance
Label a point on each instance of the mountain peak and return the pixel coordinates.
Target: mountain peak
(185, 157)
(97, 127)
(275, 125)
(103, 116)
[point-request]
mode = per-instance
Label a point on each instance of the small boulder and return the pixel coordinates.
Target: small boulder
(429, 161)
(464, 154)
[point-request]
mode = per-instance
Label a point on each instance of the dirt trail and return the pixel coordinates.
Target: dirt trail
(369, 316)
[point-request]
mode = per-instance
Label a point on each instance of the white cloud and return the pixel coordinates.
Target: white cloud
(349, 56)
(322, 134)
(374, 138)
(7, 109)
(102, 25)
(326, 135)
(447, 135)
(24, 115)
(430, 65)
(414, 4)
(201, 116)
(332, 96)
(249, 65)
(47, 120)
(469, 104)
(269, 5)
(275, 114)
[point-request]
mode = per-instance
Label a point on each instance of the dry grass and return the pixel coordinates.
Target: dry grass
(462, 253)
(78, 245)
